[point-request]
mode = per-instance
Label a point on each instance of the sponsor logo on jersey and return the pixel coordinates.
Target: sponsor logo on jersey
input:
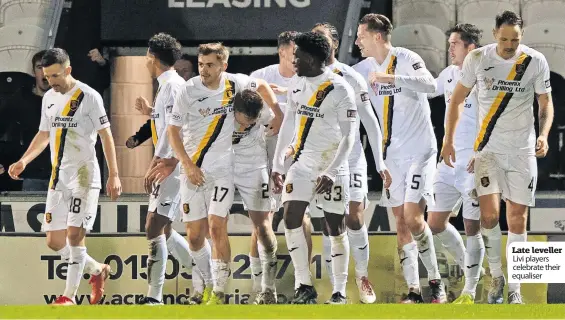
(74, 105)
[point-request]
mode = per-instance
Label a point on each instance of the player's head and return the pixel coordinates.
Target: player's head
(184, 67)
(57, 69)
(162, 53)
(312, 52)
(508, 33)
(463, 38)
(247, 106)
(330, 32)
(212, 61)
(285, 46)
(372, 33)
(40, 81)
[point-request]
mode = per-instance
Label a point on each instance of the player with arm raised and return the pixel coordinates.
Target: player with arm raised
(320, 121)
(72, 114)
(356, 229)
(399, 82)
(203, 110)
(452, 186)
(508, 76)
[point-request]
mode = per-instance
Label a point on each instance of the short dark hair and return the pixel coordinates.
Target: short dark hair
(286, 38)
(37, 57)
(330, 27)
(509, 18)
(314, 44)
(249, 103)
(165, 48)
(377, 23)
(469, 33)
(186, 56)
(55, 56)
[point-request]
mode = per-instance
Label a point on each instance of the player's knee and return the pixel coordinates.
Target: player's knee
(472, 227)
(354, 221)
(436, 224)
(74, 237)
(218, 228)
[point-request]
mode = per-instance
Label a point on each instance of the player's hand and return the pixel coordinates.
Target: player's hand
(448, 153)
(275, 125)
(16, 169)
(471, 165)
(381, 77)
(2, 169)
(194, 174)
(142, 105)
(162, 170)
(278, 90)
(277, 182)
(541, 147)
(289, 152)
(148, 179)
(132, 142)
(97, 57)
(387, 179)
(324, 184)
(113, 187)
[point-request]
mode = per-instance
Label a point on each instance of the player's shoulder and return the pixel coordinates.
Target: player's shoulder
(364, 66)
(447, 72)
(88, 92)
(483, 52)
(264, 72)
(340, 84)
(404, 54)
(535, 54)
(354, 78)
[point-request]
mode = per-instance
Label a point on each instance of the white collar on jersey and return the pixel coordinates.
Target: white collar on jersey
(320, 78)
(165, 76)
(334, 65)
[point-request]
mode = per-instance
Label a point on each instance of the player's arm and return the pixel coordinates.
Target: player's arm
(439, 87)
(374, 133)
(270, 99)
(37, 145)
(113, 186)
(284, 139)
(180, 109)
(140, 136)
(419, 78)
(542, 87)
(455, 107)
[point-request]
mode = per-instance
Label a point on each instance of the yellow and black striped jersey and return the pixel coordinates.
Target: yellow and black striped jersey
(207, 119)
(506, 91)
(402, 107)
(73, 120)
(320, 104)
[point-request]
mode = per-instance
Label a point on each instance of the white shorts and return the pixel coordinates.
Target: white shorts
(253, 186)
(164, 197)
(412, 180)
(216, 197)
(298, 188)
(513, 176)
(358, 188)
(70, 208)
(452, 187)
